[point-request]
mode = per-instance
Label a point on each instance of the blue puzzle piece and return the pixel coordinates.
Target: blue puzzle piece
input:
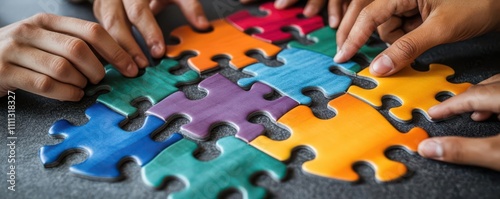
(302, 70)
(105, 143)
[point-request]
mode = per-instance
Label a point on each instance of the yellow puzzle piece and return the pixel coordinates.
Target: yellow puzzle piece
(414, 89)
(358, 133)
(224, 40)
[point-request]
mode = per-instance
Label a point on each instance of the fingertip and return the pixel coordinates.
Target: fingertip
(333, 21)
(132, 70)
(158, 50)
(339, 57)
(431, 148)
(280, 4)
(141, 61)
(382, 66)
(202, 22)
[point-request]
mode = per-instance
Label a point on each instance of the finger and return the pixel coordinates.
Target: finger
(481, 115)
(484, 152)
(41, 84)
(352, 13)
(247, 1)
(142, 17)
(313, 7)
(367, 21)
(481, 97)
(111, 14)
(157, 6)
(492, 79)
(390, 31)
(194, 13)
(282, 4)
(335, 12)
(51, 65)
(96, 36)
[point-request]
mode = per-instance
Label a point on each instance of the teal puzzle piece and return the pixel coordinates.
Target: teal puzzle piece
(325, 42)
(302, 70)
(154, 85)
(206, 179)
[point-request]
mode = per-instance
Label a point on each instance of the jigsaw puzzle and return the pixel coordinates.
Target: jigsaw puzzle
(301, 70)
(325, 42)
(226, 103)
(105, 143)
(224, 40)
(415, 90)
(271, 26)
(237, 162)
(155, 84)
(358, 133)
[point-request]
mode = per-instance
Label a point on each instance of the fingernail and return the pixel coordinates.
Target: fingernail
(132, 69)
(431, 110)
(383, 65)
(140, 61)
(156, 50)
(279, 4)
(431, 149)
(339, 54)
(202, 21)
(333, 21)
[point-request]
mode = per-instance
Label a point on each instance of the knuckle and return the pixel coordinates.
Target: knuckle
(60, 67)
(135, 11)
(407, 48)
(43, 84)
(42, 18)
(23, 30)
(95, 30)
(76, 46)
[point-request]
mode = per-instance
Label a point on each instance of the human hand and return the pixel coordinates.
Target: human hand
(118, 16)
(53, 56)
(483, 100)
(416, 26)
(312, 7)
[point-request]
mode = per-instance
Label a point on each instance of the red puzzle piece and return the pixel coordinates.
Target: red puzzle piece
(270, 26)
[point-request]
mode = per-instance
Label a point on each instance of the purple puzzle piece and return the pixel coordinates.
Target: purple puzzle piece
(225, 102)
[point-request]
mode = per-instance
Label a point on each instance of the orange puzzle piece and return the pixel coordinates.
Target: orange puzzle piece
(414, 89)
(358, 133)
(223, 40)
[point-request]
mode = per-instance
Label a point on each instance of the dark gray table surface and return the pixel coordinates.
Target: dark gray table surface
(473, 60)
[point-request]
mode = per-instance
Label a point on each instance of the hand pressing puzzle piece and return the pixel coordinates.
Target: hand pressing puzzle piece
(223, 40)
(225, 102)
(414, 89)
(325, 42)
(105, 143)
(155, 84)
(358, 133)
(302, 70)
(271, 25)
(237, 162)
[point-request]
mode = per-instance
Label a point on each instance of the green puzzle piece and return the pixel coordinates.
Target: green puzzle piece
(155, 84)
(205, 179)
(325, 42)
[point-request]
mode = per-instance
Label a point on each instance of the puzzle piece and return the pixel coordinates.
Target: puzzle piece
(325, 42)
(302, 70)
(225, 102)
(223, 40)
(358, 133)
(105, 143)
(237, 162)
(271, 25)
(414, 89)
(155, 84)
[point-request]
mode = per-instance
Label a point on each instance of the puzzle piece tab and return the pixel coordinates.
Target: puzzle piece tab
(302, 70)
(325, 42)
(414, 89)
(358, 133)
(271, 25)
(225, 102)
(155, 84)
(223, 40)
(105, 143)
(237, 162)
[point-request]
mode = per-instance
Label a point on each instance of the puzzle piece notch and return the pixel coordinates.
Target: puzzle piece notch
(271, 25)
(356, 126)
(302, 70)
(105, 143)
(325, 42)
(237, 162)
(404, 86)
(226, 103)
(223, 40)
(154, 85)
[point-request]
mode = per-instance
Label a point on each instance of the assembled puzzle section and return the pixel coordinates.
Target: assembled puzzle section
(226, 103)
(155, 84)
(302, 70)
(358, 133)
(271, 26)
(105, 143)
(223, 40)
(415, 90)
(325, 42)
(237, 162)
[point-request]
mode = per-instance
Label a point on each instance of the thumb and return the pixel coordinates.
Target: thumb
(407, 48)
(484, 152)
